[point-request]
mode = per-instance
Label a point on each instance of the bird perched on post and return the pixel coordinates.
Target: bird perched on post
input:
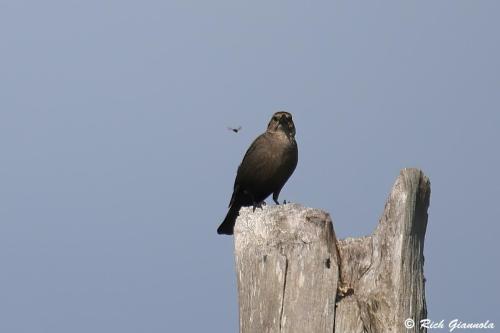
(267, 165)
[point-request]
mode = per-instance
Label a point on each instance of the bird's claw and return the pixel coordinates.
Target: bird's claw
(278, 203)
(259, 205)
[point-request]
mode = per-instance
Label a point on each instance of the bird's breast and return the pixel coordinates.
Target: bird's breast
(268, 164)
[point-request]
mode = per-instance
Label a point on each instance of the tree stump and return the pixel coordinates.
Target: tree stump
(294, 276)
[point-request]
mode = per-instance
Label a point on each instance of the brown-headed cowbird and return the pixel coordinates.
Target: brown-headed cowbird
(267, 165)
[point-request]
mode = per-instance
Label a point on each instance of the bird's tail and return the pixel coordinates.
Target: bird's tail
(227, 227)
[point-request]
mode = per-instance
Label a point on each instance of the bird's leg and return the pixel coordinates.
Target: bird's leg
(275, 197)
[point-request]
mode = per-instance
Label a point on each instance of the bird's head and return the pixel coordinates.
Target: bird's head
(282, 122)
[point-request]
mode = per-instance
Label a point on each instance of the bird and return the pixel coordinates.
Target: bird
(267, 165)
(234, 129)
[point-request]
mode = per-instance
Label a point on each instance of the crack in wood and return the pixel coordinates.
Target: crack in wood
(283, 294)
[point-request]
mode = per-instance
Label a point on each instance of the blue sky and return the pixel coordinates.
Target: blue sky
(116, 166)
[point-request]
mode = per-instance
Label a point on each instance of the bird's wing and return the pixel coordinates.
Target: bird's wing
(255, 162)
(245, 168)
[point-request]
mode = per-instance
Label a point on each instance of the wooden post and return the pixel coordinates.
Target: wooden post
(292, 279)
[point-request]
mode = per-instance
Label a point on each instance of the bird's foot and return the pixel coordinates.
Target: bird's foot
(259, 205)
(284, 202)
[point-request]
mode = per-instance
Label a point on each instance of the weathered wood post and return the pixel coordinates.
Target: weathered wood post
(290, 272)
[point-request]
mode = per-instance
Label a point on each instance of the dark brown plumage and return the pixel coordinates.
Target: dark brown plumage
(267, 165)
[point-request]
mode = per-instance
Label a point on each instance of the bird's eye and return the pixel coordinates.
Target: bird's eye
(275, 118)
